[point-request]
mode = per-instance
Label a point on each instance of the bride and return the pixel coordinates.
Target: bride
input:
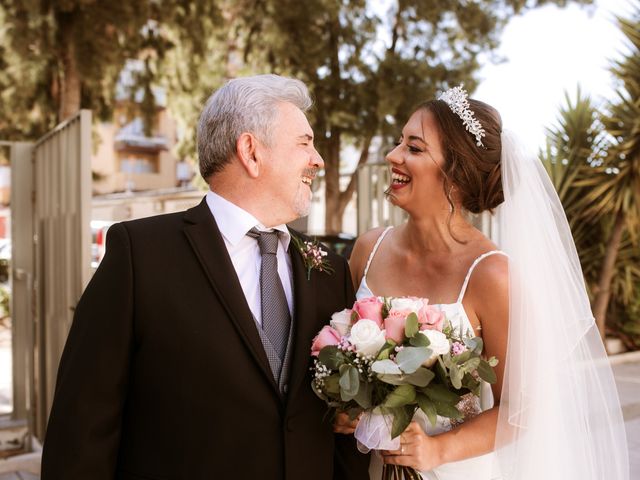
(554, 411)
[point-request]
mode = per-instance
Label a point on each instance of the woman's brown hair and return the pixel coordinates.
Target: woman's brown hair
(473, 170)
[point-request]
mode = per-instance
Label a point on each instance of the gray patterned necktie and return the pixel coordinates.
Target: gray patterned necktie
(275, 310)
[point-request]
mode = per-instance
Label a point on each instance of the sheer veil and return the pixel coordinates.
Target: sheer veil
(560, 416)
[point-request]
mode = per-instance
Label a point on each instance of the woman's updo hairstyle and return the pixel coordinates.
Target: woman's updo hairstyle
(473, 171)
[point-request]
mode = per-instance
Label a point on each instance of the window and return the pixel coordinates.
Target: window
(139, 163)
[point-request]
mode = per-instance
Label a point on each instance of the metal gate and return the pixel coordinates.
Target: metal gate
(50, 202)
(62, 240)
(374, 210)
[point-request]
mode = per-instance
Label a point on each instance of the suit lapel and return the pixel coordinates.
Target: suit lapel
(304, 319)
(208, 244)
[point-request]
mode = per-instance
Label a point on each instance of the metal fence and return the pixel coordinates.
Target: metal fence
(374, 210)
(62, 241)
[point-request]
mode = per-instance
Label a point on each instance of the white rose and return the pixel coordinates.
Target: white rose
(407, 303)
(367, 337)
(439, 345)
(341, 321)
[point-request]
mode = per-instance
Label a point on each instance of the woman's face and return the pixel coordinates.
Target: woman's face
(416, 166)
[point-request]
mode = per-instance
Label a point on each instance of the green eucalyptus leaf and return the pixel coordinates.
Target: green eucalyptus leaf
(447, 410)
(401, 419)
(394, 379)
(493, 361)
(411, 325)
(349, 382)
(474, 344)
(353, 413)
(420, 378)
(486, 372)
(331, 357)
(440, 393)
(419, 341)
(402, 395)
(471, 365)
(428, 407)
(386, 350)
(332, 384)
(386, 367)
(363, 397)
(455, 374)
(410, 358)
(441, 370)
(463, 357)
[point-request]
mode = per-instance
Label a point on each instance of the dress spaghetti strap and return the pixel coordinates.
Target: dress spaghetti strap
(374, 250)
(473, 266)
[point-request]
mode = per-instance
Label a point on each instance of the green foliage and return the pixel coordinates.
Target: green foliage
(593, 159)
(410, 358)
(37, 37)
(332, 357)
(411, 326)
(401, 396)
(368, 69)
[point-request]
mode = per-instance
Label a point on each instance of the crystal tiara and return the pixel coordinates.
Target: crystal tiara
(456, 98)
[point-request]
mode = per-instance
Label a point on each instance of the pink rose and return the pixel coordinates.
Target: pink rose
(431, 318)
(327, 336)
(369, 308)
(394, 325)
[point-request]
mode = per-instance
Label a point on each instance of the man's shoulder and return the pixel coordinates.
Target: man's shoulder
(165, 221)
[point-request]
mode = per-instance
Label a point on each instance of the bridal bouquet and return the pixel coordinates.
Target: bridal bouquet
(387, 357)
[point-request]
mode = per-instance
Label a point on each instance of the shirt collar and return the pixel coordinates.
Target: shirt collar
(234, 222)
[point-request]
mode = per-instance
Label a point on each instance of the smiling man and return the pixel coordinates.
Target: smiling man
(188, 357)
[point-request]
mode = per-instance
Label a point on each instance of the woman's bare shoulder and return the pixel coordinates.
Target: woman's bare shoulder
(361, 250)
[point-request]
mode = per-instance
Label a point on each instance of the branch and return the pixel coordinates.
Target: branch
(364, 156)
(395, 31)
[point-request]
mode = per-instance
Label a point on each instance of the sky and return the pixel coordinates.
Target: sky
(550, 51)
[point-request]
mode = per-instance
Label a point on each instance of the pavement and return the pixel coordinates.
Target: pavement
(626, 368)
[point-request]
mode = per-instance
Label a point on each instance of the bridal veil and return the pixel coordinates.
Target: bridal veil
(560, 416)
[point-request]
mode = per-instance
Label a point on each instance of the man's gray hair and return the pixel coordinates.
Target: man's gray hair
(247, 104)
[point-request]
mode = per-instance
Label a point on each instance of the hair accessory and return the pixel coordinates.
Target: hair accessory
(456, 98)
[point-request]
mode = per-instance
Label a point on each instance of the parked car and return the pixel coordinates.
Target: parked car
(98, 238)
(5, 259)
(341, 243)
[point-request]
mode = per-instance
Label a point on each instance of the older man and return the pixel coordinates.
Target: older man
(188, 357)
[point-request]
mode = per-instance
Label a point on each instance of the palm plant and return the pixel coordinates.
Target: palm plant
(616, 191)
(594, 162)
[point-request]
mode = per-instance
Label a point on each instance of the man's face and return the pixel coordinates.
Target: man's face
(291, 164)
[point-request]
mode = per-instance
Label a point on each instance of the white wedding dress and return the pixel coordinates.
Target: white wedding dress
(476, 468)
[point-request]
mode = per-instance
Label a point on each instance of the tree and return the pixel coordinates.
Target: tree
(62, 55)
(620, 188)
(594, 160)
(368, 69)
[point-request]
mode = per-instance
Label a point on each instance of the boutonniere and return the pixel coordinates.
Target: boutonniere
(313, 256)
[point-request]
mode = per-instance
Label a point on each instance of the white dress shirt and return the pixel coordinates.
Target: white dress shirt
(234, 223)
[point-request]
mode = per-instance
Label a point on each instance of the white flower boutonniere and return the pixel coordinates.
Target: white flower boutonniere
(313, 256)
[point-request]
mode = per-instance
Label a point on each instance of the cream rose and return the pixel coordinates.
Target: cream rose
(413, 304)
(439, 345)
(367, 337)
(341, 321)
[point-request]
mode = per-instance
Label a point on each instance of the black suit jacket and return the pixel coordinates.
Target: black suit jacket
(164, 376)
